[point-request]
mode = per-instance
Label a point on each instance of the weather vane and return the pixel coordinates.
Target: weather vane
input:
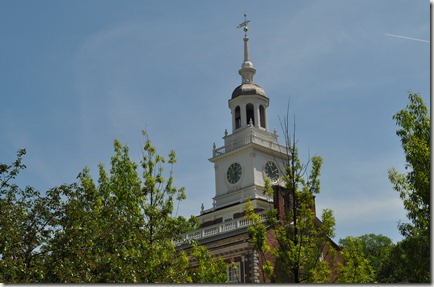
(244, 24)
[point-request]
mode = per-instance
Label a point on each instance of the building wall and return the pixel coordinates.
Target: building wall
(235, 249)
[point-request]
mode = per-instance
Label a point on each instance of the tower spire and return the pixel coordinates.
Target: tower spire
(247, 71)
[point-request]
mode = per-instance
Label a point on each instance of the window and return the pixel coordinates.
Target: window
(234, 272)
(227, 218)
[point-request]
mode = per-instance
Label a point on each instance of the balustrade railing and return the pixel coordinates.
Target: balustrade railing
(217, 229)
(252, 138)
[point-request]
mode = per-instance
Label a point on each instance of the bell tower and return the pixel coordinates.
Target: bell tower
(250, 153)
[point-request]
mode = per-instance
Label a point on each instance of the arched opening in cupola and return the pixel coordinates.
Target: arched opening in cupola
(262, 116)
(250, 114)
(237, 117)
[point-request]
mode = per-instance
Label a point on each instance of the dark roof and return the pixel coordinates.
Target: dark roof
(248, 89)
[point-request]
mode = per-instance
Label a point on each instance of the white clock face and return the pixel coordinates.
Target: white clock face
(272, 171)
(234, 172)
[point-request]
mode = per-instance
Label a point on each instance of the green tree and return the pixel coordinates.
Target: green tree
(303, 239)
(377, 249)
(24, 226)
(122, 229)
(304, 252)
(399, 264)
(258, 233)
(208, 269)
(355, 267)
(414, 190)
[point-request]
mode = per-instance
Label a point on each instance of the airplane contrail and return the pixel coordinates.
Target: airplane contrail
(408, 38)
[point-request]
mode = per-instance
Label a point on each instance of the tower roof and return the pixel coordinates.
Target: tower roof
(248, 89)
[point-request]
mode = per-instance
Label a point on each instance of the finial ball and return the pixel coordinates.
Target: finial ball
(246, 29)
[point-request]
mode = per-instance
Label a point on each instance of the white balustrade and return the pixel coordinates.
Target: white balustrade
(254, 137)
(217, 229)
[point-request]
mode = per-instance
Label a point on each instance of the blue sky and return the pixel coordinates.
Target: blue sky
(78, 74)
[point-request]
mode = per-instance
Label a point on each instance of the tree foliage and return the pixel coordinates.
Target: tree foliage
(356, 266)
(207, 269)
(414, 186)
(304, 252)
(258, 233)
(120, 229)
(414, 190)
(303, 240)
(24, 221)
(377, 249)
(407, 261)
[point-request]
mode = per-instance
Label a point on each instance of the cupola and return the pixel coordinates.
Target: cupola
(249, 102)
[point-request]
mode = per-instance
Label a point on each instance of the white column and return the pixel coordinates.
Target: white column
(233, 119)
(266, 117)
(257, 115)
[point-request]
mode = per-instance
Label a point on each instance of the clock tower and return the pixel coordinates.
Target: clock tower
(250, 153)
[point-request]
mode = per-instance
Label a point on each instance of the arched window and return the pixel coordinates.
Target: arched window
(250, 114)
(262, 116)
(237, 117)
